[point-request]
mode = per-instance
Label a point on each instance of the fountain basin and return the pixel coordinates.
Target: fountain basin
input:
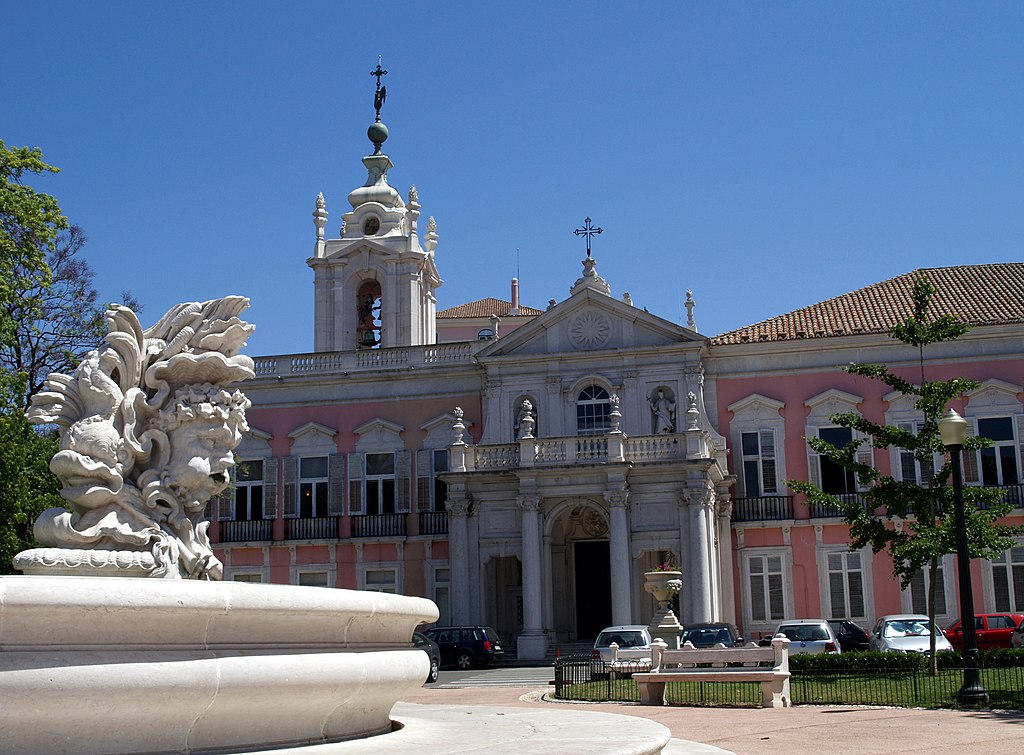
(104, 664)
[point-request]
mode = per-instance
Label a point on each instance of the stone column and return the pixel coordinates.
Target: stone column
(723, 509)
(618, 502)
(700, 555)
(457, 504)
(532, 643)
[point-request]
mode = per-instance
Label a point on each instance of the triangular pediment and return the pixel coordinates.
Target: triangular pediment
(590, 321)
(385, 246)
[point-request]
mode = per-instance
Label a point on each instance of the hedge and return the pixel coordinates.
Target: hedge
(874, 661)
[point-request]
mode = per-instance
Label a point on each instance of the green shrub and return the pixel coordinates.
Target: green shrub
(857, 661)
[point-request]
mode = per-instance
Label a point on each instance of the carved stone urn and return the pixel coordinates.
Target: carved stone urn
(664, 586)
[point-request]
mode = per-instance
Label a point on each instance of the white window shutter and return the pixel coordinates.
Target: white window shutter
(291, 493)
(769, 472)
(813, 469)
(971, 459)
(403, 483)
(335, 484)
(223, 505)
(270, 488)
(424, 471)
(865, 455)
(356, 465)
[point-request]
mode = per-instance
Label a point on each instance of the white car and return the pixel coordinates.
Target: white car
(808, 636)
(634, 648)
(907, 633)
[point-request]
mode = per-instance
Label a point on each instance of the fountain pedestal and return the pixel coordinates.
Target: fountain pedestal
(115, 664)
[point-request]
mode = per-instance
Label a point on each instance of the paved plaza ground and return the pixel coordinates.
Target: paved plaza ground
(790, 730)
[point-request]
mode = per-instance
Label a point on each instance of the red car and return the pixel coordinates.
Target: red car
(993, 630)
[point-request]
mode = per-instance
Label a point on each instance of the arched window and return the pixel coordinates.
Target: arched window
(593, 408)
(368, 327)
(485, 335)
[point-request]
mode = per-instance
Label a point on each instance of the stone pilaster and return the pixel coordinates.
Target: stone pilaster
(618, 520)
(532, 642)
(458, 506)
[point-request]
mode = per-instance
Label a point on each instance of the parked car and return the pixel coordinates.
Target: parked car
(466, 647)
(708, 635)
(1017, 638)
(993, 630)
(433, 652)
(807, 636)
(851, 636)
(907, 633)
(634, 653)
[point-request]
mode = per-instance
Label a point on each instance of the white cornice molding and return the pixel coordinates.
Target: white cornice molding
(378, 424)
(833, 394)
(994, 384)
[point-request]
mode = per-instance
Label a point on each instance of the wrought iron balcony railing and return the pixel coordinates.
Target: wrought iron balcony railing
(379, 525)
(311, 528)
(763, 508)
(244, 531)
(433, 523)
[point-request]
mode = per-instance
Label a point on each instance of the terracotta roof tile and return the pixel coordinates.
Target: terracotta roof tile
(980, 294)
(486, 308)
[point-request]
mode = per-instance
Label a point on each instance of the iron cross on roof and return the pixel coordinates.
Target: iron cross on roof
(381, 94)
(587, 231)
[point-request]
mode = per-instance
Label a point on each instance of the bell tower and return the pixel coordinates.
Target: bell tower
(375, 284)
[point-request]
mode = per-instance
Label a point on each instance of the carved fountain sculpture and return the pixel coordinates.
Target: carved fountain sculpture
(96, 660)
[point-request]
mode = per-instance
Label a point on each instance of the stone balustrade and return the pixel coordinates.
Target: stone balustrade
(583, 449)
(364, 360)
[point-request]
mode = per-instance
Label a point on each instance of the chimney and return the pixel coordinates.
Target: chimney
(515, 298)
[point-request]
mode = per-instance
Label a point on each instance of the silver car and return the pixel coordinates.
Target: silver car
(809, 636)
(907, 633)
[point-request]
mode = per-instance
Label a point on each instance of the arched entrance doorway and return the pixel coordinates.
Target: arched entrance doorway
(580, 571)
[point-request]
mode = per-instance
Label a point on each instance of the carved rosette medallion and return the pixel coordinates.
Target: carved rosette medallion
(589, 330)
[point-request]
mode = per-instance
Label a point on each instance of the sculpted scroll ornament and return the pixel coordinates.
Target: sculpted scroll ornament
(147, 426)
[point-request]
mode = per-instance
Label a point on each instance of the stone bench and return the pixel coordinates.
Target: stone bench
(682, 666)
(616, 660)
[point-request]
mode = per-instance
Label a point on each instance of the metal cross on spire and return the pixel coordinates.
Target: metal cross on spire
(587, 231)
(381, 94)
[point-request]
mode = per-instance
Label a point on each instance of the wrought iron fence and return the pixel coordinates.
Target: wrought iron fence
(585, 678)
(433, 523)
(764, 508)
(245, 531)
(311, 528)
(378, 525)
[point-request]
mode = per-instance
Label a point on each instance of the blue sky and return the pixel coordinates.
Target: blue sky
(766, 155)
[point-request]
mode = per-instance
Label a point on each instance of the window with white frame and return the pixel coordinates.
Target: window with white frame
(593, 411)
(381, 580)
(248, 490)
(312, 578)
(442, 594)
(917, 591)
(846, 580)
(313, 486)
(1008, 580)
(836, 479)
(999, 463)
(911, 469)
(759, 469)
(380, 483)
(766, 587)
(439, 489)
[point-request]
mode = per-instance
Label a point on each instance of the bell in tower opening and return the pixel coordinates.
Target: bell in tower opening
(368, 303)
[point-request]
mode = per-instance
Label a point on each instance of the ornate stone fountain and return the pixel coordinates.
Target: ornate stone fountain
(96, 658)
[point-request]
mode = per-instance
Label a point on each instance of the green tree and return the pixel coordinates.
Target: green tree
(26, 485)
(914, 519)
(31, 225)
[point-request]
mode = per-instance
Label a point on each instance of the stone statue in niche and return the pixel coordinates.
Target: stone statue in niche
(664, 410)
(147, 426)
(526, 420)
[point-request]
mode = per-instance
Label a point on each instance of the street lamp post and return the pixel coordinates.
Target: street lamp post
(953, 429)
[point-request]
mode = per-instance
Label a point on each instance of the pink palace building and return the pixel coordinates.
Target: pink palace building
(523, 468)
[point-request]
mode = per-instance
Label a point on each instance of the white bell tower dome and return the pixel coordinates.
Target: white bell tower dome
(375, 284)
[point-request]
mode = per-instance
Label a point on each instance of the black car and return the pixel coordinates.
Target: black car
(850, 636)
(709, 634)
(465, 647)
(433, 652)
